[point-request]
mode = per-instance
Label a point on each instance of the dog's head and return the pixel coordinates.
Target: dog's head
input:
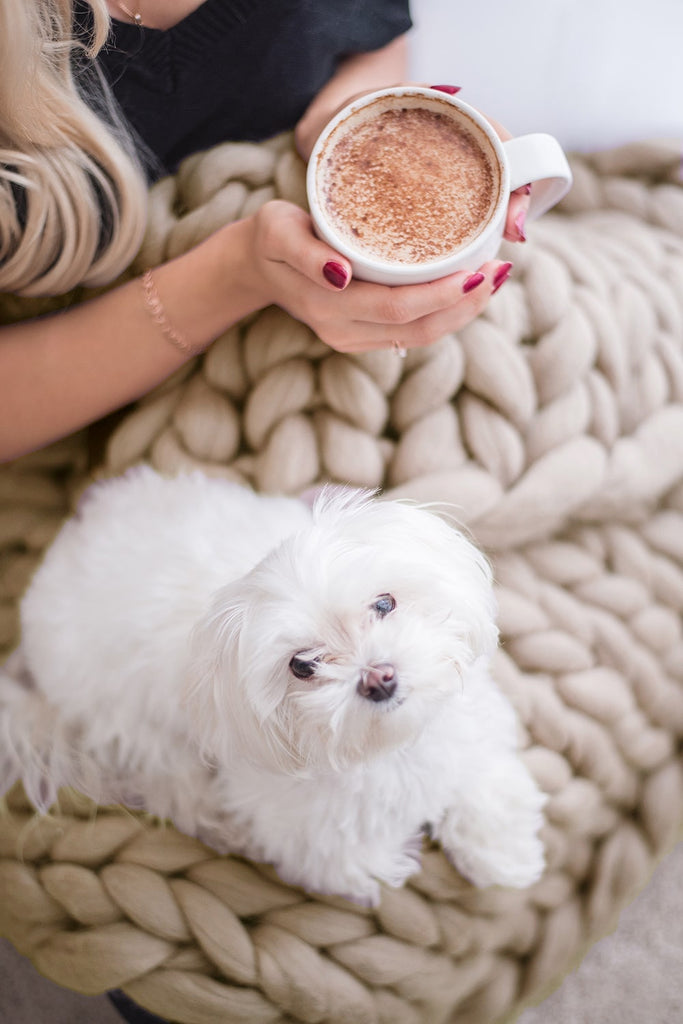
(344, 641)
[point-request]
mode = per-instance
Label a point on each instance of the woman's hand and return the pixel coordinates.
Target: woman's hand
(312, 282)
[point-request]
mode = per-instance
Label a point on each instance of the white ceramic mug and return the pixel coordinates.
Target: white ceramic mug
(537, 159)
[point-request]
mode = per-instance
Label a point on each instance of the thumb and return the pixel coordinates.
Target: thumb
(293, 241)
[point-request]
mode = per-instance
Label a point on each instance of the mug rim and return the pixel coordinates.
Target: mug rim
(362, 259)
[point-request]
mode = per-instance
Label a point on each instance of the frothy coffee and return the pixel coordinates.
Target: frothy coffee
(408, 182)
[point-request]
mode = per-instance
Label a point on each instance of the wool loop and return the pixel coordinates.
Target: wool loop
(554, 424)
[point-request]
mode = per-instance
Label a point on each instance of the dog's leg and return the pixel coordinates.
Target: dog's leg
(222, 832)
(490, 830)
(335, 862)
(333, 878)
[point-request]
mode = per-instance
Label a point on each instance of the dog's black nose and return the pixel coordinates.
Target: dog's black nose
(377, 682)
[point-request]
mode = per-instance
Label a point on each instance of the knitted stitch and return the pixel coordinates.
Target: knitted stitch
(554, 422)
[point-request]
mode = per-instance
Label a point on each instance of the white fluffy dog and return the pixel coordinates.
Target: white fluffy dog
(306, 687)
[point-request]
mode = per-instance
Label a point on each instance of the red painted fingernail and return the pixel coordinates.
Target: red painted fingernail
(519, 225)
(501, 276)
(472, 282)
(450, 89)
(335, 274)
(523, 190)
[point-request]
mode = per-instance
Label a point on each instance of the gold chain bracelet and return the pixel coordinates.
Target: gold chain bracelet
(155, 308)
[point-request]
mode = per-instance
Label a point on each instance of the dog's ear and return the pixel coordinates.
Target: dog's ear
(213, 669)
(233, 696)
(447, 560)
(464, 574)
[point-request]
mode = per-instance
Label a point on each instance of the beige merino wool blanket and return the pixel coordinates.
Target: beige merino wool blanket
(554, 423)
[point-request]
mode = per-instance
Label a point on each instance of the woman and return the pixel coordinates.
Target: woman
(73, 187)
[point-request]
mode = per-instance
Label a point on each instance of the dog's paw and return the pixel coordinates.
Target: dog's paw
(215, 839)
(355, 886)
(492, 837)
(225, 835)
(369, 898)
(513, 861)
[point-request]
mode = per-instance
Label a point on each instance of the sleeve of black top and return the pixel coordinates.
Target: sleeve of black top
(364, 26)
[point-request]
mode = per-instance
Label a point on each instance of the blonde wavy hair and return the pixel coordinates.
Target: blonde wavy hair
(72, 192)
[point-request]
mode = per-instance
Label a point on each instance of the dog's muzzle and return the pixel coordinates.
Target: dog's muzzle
(378, 682)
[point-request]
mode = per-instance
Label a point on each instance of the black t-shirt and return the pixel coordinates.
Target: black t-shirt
(235, 70)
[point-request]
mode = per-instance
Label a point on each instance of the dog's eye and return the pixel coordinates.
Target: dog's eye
(301, 668)
(384, 604)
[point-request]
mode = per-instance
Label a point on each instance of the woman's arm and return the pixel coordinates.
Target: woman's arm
(65, 370)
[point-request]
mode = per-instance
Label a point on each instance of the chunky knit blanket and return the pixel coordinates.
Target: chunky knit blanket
(555, 424)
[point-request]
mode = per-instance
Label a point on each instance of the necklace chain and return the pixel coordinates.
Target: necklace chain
(134, 16)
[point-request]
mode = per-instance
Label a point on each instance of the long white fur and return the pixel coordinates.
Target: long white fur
(154, 671)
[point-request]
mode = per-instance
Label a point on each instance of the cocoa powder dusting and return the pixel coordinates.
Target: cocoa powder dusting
(409, 185)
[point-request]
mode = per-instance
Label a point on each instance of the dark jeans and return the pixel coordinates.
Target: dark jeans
(130, 1011)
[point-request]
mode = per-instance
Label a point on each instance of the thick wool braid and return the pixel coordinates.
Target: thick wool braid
(555, 424)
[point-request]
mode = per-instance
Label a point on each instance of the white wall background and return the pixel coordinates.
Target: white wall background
(595, 73)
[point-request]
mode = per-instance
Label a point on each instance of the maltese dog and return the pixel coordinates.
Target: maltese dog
(307, 687)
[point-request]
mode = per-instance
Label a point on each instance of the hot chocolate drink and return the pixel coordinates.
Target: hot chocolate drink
(408, 182)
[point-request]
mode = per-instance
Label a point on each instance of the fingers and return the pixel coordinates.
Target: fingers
(402, 305)
(466, 307)
(518, 207)
(287, 237)
(414, 316)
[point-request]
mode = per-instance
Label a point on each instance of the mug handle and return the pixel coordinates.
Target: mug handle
(540, 160)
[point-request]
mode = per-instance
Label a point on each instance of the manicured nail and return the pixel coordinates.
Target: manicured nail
(501, 276)
(519, 225)
(473, 281)
(335, 274)
(450, 89)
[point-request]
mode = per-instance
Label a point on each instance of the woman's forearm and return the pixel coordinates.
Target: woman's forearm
(65, 370)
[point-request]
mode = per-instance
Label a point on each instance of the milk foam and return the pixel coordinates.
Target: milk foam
(408, 179)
